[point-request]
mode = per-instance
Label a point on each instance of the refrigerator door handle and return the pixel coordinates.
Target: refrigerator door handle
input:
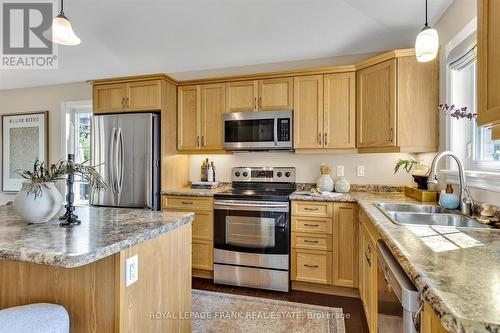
(112, 162)
(120, 161)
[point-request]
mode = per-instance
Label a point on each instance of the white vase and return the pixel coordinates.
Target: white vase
(325, 183)
(40, 209)
(342, 185)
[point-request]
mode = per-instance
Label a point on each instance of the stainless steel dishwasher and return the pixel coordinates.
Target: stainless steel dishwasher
(399, 303)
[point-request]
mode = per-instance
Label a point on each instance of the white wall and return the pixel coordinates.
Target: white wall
(47, 98)
(378, 167)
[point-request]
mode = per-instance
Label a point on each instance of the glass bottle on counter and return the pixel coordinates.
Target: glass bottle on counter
(203, 171)
(213, 169)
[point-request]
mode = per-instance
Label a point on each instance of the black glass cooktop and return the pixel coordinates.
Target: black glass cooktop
(259, 192)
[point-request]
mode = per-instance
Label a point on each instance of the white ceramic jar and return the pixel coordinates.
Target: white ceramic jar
(342, 185)
(40, 209)
(325, 183)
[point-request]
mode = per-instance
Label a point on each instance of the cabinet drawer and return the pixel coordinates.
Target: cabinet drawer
(202, 255)
(310, 208)
(312, 266)
(190, 203)
(312, 241)
(312, 225)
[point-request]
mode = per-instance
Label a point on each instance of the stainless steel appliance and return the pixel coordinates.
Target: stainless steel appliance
(126, 149)
(252, 229)
(399, 304)
(266, 130)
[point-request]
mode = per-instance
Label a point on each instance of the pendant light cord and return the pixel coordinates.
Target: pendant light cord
(426, 23)
(62, 8)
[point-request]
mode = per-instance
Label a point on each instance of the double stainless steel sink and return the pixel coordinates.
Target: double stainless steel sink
(412, 214)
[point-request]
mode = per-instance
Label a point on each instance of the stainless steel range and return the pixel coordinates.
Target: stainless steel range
(252, 229)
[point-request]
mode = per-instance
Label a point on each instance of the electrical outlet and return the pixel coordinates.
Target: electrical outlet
(131, 270)
(340, 171)
(360, 172)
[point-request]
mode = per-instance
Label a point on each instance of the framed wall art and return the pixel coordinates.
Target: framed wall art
(24, 139)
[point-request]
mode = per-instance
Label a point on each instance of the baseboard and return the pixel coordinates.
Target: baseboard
(201, 273)
(325, 289)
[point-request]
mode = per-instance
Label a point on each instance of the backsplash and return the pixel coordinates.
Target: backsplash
(380, 188)
(378, 168)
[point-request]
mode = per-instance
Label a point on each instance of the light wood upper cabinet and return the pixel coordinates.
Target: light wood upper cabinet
(275, 94)
(377, 105)
(495, 132)
(324, 111)
(127, 97)
(259, 95)
(308, 111)
(397, 106)
(488, 61)
(213, 99)
(345, 235)
(109, 98)
(200, 109)
(189, 101)
(241, 96)
(339, 122)
(143, 95)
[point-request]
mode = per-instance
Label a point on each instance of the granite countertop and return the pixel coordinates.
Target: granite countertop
(103, 232)
(456, 269)
(190, 192)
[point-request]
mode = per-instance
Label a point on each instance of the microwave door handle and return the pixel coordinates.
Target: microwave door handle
(275, 131)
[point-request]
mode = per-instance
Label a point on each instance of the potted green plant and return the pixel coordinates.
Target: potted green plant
(420, 174)
(39, 200)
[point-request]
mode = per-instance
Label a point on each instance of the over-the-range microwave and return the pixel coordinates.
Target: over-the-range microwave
(264, 130)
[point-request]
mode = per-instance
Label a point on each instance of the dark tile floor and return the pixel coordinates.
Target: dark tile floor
(352, 306)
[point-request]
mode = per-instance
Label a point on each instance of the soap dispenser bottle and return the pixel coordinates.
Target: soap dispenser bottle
(448, 199)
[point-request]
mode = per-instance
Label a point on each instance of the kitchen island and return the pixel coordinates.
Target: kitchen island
(83, 268)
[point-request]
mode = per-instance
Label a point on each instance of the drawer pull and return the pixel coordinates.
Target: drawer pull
(186, 202)
(311, 266)
(311, 209)
(311, 225)
(311, 241)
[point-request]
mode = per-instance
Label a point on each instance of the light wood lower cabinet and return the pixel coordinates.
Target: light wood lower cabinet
(203, 230)
(430, 322)
(324, 243)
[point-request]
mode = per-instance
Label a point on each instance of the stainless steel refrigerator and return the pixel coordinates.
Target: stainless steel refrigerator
(126, 150)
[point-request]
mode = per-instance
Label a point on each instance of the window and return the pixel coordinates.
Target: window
(474, 143)
(80, 115)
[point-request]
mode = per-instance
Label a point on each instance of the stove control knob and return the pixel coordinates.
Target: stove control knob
(287, 174)
(237, 174)
(280, 174)
(245, 174)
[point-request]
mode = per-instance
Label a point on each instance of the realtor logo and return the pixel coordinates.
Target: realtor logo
(26, 27)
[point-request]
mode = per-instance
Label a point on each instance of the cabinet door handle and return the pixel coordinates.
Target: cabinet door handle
(311, 266)
(123, 102)
(311, 241)
(198, 141)
(326, 138)
(203, 141)
(260, 102)
(368, 255)
(255, 103)
(126, 103)
(311, 209)
(311, 225)
(391, 134)
(319, 138)
(186, 202)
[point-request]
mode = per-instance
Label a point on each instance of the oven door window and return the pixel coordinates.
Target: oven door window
(252, 231)
(249, 231)
(255, 130)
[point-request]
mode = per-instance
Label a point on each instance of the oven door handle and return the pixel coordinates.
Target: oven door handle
(253, 206)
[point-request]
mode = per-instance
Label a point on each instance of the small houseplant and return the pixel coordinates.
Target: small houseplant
(420, 174)
(39, 199)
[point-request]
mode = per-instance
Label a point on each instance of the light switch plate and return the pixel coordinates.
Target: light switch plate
(131, 270)
(360, 172)
(340, 171)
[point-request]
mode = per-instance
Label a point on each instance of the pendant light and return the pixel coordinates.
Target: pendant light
(62, 32)
(427, 42)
